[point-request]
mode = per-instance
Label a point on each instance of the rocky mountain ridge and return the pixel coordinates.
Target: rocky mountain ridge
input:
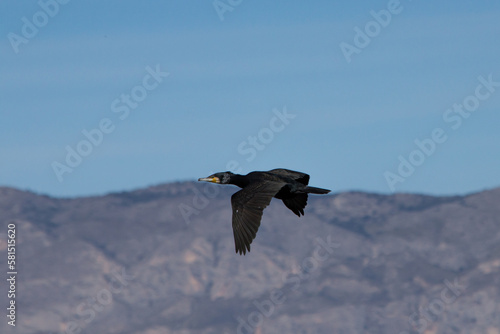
(162, 260)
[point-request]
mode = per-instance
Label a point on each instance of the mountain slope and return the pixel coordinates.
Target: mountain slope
(162, 260)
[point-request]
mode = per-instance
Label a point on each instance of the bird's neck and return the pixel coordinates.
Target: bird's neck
(239, 180)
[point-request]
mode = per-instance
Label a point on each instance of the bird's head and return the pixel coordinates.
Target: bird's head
(222, 178)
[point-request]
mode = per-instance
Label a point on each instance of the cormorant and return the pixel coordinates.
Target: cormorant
(258, 190)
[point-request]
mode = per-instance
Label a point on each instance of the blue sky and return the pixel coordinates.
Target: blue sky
(351, 123)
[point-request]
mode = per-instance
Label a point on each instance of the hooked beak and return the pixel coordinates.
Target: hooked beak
(212, 179)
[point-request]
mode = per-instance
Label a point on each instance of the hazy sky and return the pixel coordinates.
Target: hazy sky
(376, 96)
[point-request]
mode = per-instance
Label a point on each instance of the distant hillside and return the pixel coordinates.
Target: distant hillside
(161, 260)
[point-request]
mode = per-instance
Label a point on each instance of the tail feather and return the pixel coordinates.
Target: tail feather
(314, 190)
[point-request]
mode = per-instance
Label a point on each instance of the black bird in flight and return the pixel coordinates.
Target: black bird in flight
(258, 190)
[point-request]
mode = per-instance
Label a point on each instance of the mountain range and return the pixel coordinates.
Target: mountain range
(161, 260)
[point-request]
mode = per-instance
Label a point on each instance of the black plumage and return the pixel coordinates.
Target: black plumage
(258, 188)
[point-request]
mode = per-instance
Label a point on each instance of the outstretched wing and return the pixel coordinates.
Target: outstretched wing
(297, 176)
(248, 205)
